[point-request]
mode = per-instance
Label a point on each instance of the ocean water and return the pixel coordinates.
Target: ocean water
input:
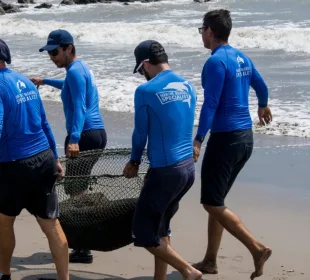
(274, 33)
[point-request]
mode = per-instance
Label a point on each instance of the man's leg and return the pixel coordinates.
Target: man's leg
(43, 203)
(11, 200)
(157, 204)
(215, 173)
(165, 253)
(90, 140)
(209, 263)
(81, 167)
(58, 246)
(220, 168)
(7, 243)
(161, 267)
(233, 224)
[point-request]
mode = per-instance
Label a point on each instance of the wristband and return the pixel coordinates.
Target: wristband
(199, 138)
(135, 162)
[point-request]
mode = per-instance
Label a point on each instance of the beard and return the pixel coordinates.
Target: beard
(147, 76)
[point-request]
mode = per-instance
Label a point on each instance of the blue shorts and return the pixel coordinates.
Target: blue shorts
(159, 201)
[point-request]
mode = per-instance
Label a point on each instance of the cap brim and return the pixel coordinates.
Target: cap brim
(135, 70)
(48, 48)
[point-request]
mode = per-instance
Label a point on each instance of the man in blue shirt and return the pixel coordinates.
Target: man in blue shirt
(164, 116)
(226, 79)
(84, 123)
(29, 167)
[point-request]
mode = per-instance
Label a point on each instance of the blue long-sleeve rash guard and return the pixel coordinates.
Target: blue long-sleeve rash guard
(226, 79)
(24, 129)
(80, 99)
(164, 117)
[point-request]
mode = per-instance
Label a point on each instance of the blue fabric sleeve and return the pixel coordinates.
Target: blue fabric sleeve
(54, 83)
(139, 136)
(212, 78)
(77, 84)
(260, 87)
(1, 115)
(48, 131)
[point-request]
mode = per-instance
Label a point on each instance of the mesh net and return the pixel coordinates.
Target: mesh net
(96, 201)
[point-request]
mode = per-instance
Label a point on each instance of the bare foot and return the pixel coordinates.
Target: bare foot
(206, 267)
(194, 275)
(259, 262)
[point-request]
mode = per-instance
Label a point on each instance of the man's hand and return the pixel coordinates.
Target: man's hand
(73, 150)
(130, 170)
(264, 115)
(59, 170)
(197, 147)
(144, 179)
(37, 81)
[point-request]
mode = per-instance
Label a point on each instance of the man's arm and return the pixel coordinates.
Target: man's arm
(47, 130)
(77, 84)
(213, 78)
(260, 87)
(1, 115)
(140, 133)
(54, 83)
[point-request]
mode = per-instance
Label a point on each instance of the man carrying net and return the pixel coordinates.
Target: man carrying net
(29, 167)
(164, 115)
(84, 123)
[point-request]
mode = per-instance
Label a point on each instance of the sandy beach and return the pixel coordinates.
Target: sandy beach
(271, 195)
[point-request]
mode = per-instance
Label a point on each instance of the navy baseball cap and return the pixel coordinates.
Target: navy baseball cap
(5, 54)
(147, 50)
(57, 38)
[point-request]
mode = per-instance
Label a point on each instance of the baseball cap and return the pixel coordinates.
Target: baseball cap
(57, 38)
(5, 54)
(147, 50)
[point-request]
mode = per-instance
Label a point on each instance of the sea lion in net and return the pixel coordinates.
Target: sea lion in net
(96, 210)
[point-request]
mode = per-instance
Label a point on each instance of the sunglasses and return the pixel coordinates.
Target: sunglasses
(200, 29)
(53, 52)
(141, 71)
(140, 68)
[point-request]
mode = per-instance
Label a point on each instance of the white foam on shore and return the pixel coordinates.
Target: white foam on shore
(176, 26)
(289, 38)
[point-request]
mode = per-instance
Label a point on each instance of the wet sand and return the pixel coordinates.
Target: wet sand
(271, 195)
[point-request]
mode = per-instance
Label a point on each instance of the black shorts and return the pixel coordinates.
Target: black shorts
(90, 140)
(226, 154)
(29, 184)
(159, 201)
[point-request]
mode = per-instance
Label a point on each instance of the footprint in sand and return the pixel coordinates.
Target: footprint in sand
(222, 257)
(237, 258)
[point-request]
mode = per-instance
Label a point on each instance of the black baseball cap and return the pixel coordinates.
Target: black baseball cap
(57, 38)
(147, 50)
(5, 54)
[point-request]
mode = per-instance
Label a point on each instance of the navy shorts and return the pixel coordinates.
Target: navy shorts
(225, 156)
(29, 184)
(90, 140)
(159, 201)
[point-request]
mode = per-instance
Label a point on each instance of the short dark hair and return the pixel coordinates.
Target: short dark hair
(220, 23)
(65, 46)
(157, 57)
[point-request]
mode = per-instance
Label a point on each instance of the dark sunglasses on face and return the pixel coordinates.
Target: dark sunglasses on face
(53, 52)
(140, 71)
